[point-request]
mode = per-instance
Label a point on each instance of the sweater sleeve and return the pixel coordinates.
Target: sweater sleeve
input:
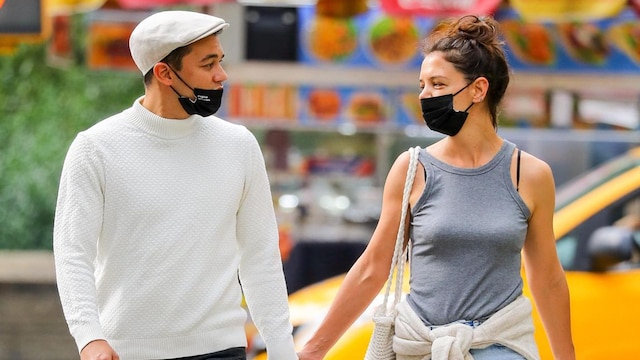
(261, 272)
(78, 220)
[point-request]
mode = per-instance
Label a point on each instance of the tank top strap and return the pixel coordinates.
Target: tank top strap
(505, 155)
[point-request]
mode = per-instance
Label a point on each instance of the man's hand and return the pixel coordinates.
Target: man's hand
(98, 350)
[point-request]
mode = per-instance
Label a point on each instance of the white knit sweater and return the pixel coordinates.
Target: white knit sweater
(158, 221)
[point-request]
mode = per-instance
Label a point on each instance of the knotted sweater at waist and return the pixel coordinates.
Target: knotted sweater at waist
(512, 326)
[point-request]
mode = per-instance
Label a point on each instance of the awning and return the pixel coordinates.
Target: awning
(148, 4)
(567, 10)
(439, 7)
(61, 7)
(635, 4)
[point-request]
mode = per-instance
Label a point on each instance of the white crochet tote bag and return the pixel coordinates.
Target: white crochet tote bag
(381, 343)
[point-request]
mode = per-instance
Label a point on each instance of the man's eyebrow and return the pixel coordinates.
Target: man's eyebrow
(211, 56)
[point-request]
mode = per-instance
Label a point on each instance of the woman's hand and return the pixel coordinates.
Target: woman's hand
(309, 355)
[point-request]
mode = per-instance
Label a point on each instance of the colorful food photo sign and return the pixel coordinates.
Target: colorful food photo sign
(408, 110)
(392, 41)
(607, 45)
(598, 36)
(329, 40)
(108, 40)
(333, 106)
(367, 107)
(372, 39)
(261, 102)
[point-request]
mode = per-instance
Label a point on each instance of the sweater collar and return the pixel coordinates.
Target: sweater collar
(162, 127)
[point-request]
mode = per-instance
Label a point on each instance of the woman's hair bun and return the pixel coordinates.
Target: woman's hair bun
(483, 30)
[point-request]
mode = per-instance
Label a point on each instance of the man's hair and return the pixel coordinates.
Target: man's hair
(174, 60)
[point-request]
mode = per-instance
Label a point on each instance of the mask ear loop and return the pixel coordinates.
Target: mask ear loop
(175, 72)
(182, 97)
(457, 92)
(176, 91)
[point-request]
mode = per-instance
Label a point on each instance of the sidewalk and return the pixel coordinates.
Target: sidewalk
(27, 267)
(32, 326)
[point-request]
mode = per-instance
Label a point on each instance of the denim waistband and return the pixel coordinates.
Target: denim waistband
(472, 323)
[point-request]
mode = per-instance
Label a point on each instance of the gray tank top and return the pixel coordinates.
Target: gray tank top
(467, 228)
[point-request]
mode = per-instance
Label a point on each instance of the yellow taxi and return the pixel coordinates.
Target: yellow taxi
(597, 227)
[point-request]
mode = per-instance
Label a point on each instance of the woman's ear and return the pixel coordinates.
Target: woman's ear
(480, 89)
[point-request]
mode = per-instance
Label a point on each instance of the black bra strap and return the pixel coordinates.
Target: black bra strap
(518, 172)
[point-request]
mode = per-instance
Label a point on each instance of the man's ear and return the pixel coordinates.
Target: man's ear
(163, 73)
(480, 87)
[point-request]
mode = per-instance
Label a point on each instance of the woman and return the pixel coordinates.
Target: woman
(477, 205)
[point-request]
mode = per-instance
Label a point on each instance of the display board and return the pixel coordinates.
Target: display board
(610, 45)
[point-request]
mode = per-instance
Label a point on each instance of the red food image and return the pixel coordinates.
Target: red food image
(530, 42)
(324, 104)
(366, 108)
(626, 37)
(585, 42)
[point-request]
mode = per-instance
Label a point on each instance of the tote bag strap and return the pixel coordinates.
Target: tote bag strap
(398, 254)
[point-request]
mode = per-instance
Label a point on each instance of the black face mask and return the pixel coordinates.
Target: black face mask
(206, 103)
(440, 116)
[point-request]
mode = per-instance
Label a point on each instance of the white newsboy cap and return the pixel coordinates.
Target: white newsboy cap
(161, 33)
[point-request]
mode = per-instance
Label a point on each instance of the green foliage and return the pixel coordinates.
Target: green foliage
(42, 108)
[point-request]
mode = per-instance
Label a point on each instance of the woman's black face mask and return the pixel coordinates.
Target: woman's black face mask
(206, 103)
(439, 115)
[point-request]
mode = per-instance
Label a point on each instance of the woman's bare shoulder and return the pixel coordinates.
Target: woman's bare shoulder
(534, 169)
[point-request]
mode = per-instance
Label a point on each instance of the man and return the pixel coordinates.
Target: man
(164, 216)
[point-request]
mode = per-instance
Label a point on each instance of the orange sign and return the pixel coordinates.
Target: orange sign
(256, 102)
(109, 45)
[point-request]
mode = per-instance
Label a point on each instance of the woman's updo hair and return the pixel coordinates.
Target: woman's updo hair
(473, 45)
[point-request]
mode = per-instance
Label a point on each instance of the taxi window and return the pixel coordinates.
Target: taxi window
(572, 248)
